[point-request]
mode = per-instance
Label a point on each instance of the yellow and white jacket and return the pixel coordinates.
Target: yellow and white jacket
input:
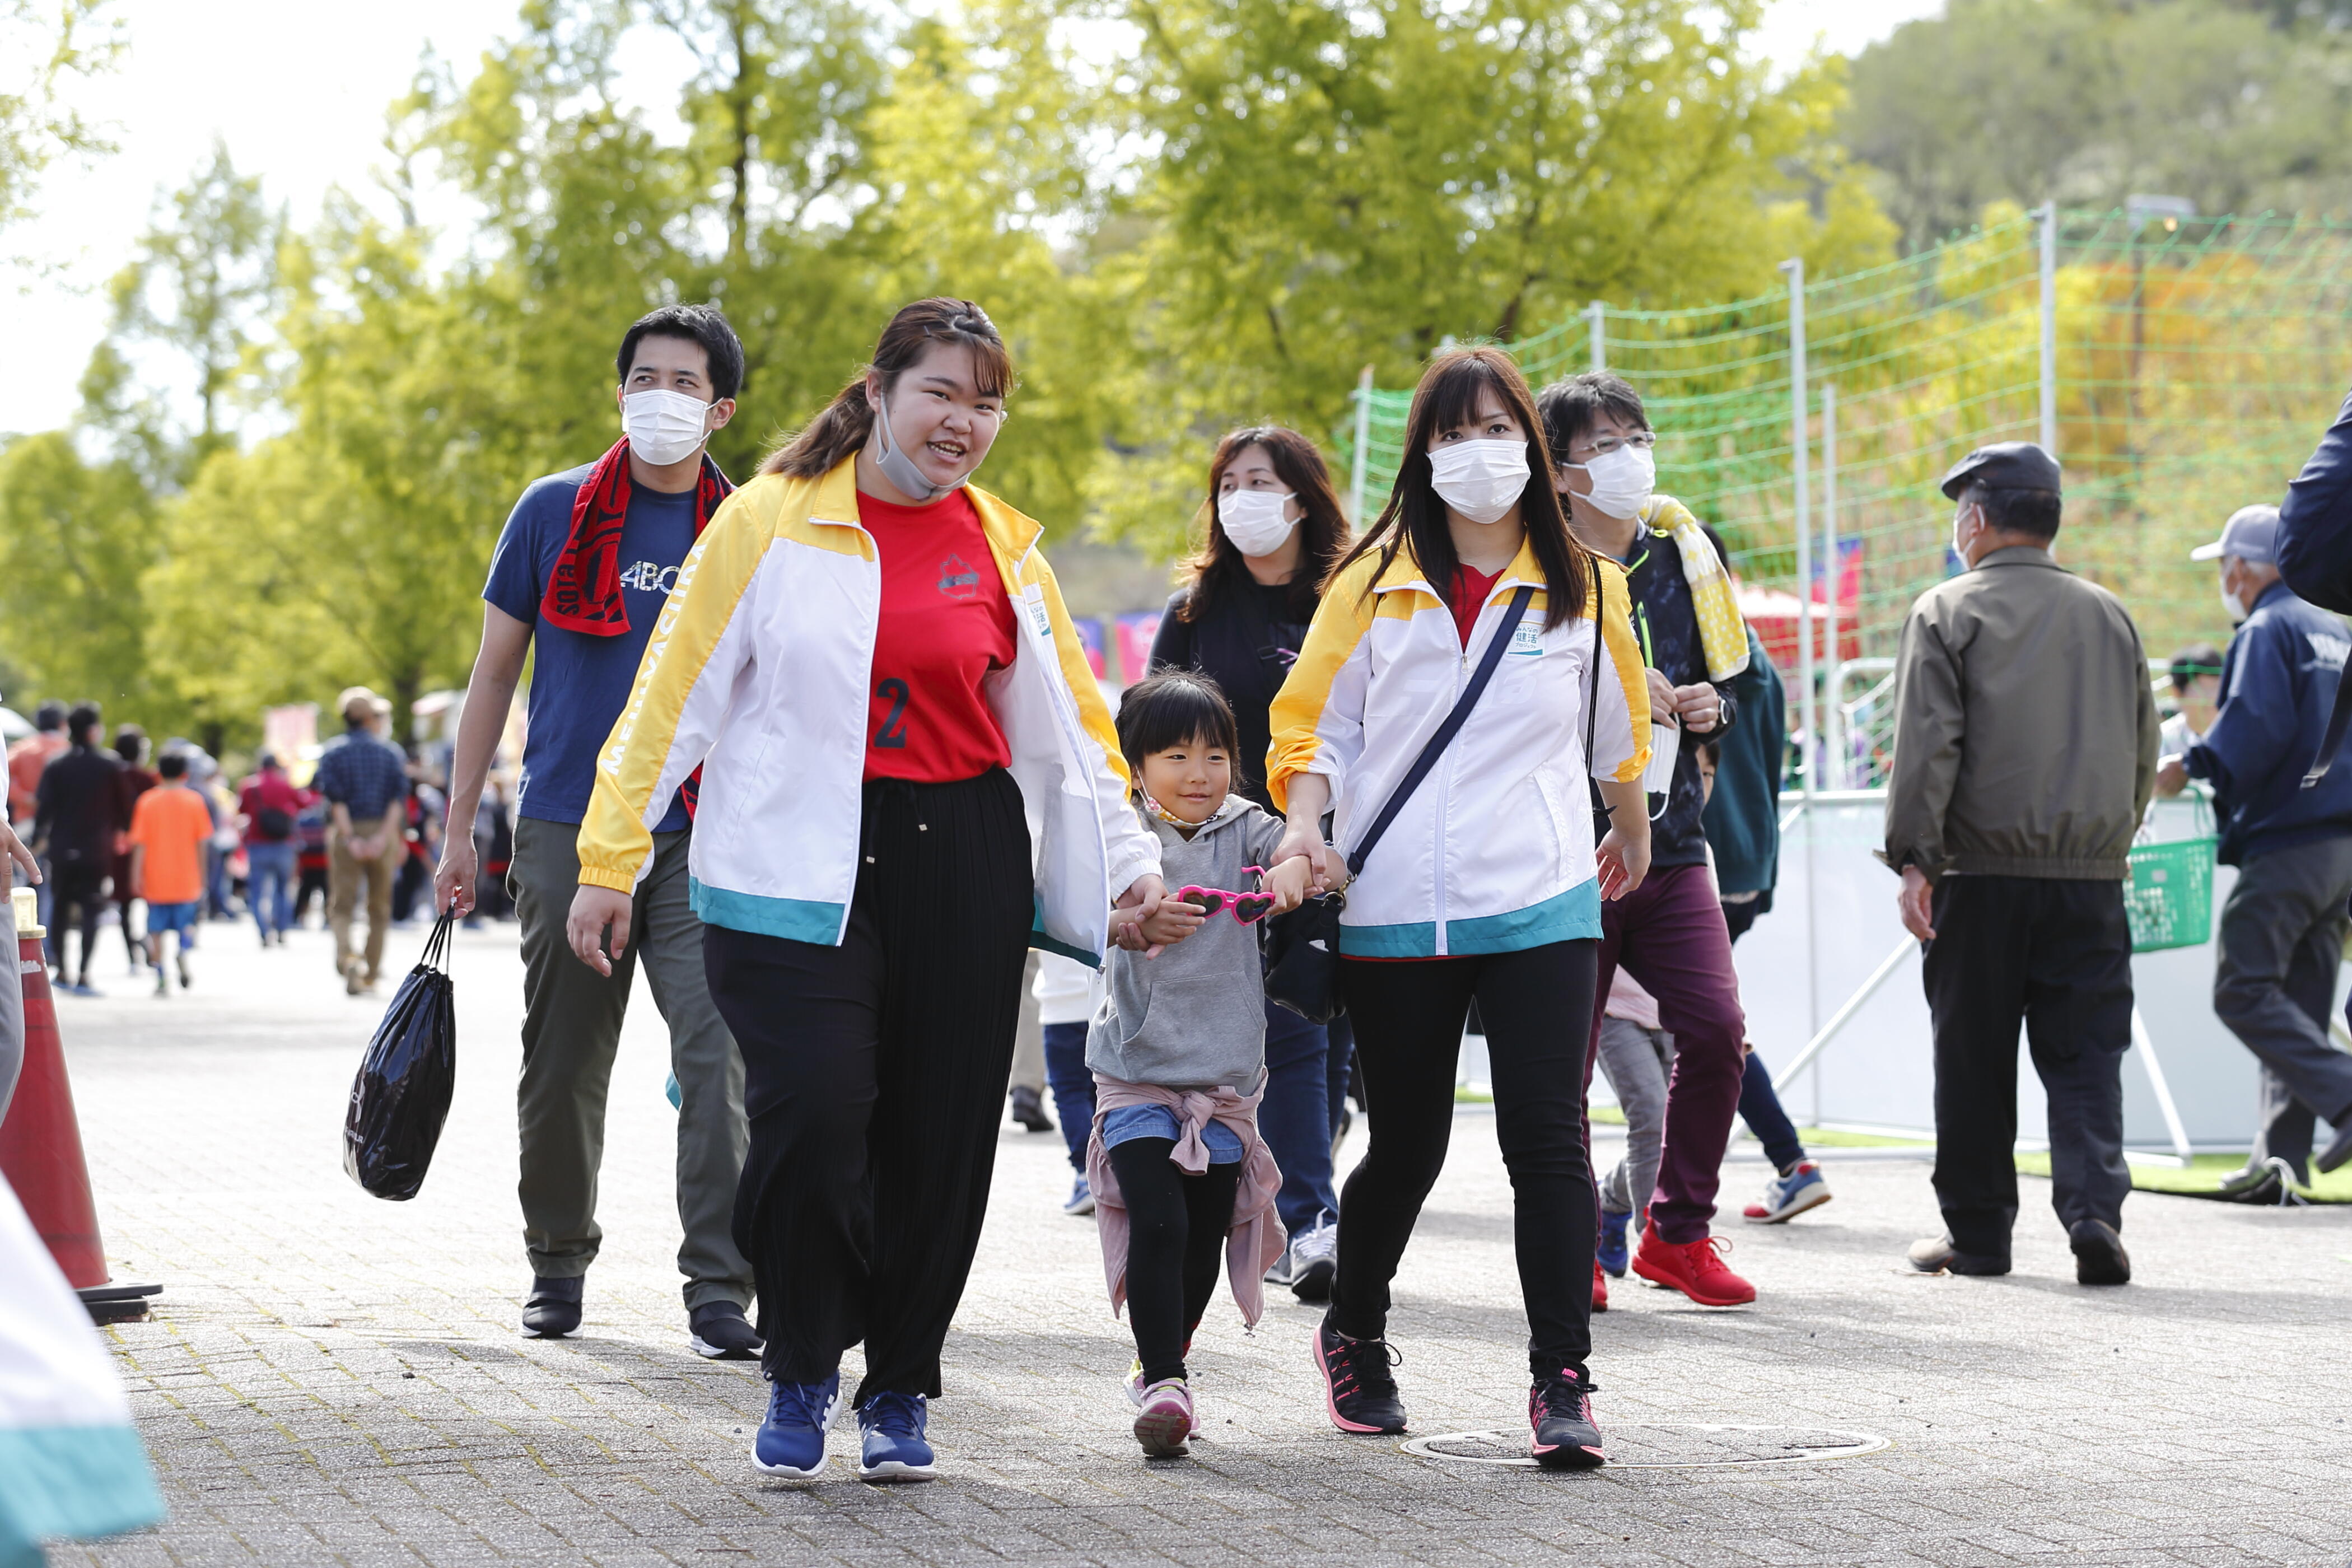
(1494, 852)
(757, 671)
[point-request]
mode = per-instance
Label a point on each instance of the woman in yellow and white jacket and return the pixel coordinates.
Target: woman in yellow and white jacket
(1488, 883)
(908, 777)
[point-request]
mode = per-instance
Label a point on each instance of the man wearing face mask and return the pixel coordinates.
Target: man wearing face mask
(2283, 927)
(2025, 751)
(582, 571)
(1670, 934)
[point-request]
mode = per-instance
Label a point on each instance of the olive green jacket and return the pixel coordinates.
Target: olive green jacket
(2025, 728)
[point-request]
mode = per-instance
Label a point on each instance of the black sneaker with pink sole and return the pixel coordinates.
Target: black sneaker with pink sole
(1559, 1409)
(1358, 1392)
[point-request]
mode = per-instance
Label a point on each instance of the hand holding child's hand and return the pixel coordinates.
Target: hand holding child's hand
(1170, 923)
(1289, 883)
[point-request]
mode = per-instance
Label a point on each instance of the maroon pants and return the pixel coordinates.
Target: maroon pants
(1669, 935)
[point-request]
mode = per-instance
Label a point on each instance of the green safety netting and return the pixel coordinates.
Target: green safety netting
(2197, 362)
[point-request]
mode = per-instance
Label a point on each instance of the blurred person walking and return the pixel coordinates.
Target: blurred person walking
(2196, 676)
(27, 761)
(2025, 753)
(363, 779)
(77, 824)
(171, 827)
(583, 571)
(132, 781)
(1273, 532)
(1671, 931)
(270, 808)
(2283, 927)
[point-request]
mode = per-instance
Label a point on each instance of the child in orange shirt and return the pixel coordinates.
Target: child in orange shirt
(169, 830)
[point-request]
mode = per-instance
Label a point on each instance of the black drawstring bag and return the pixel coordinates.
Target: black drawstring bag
(401, 1096)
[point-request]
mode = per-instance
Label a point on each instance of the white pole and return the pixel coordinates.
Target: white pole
(2049, 328)
(1363, 444)
(1808, 759)
(1832, 574)
(1596, 315)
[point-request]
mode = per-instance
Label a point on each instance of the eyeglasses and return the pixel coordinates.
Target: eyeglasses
(1604, 445)
(1247, 908)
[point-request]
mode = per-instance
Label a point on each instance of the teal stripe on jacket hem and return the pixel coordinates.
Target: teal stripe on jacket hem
(1044, 944)
(1571, 916)
(72, 1483)
(794, 920)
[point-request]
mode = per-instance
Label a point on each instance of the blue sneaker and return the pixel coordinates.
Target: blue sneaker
(791, 1439)
(1082, 1198)
(1610, 1248)
(893, 1448)
(1788, 1195)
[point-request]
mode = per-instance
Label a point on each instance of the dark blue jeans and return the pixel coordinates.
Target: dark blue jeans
(1760, 1107)
(1294, 1118)
(1073, 1086)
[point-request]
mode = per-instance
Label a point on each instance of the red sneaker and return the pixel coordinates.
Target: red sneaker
(1600, 1289)
(1693, 1268)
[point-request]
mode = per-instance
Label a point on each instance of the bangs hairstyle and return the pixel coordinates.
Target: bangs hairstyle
(1221, 569)
(1571, 405)
(1178, 708)
(847, 421)
(703, 325)
(1414, 522)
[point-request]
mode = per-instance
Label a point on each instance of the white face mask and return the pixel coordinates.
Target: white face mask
(1480, 480)
(663, 427)
(1254, 520)
(1623, 481)
(2232, 607)
(1957, 514)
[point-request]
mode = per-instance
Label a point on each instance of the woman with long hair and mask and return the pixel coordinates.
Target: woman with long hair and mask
(908, 777)
(1272, 530)
(1475, 871)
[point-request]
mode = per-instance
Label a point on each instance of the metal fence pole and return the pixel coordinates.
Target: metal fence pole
(1363, 447)
(1597, 314)
(2049, 328)
(1809, 755)
(1832, 578)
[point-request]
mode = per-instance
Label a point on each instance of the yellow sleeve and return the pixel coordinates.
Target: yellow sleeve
(1318, 717)
(1628, 693)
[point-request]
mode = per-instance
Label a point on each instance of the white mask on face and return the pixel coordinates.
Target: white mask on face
(1255, 520)
(1623, 481)
(663, 427)
(1957, 513)
(1480, 480)
(2232, 607)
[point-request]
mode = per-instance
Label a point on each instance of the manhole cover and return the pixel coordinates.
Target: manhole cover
(1667, 1446)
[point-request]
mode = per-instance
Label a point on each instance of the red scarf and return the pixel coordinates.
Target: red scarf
(584, 592)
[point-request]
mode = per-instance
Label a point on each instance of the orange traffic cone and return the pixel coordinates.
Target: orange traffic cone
(41, 1141)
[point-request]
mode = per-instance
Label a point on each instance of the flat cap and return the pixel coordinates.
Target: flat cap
(2003, 466)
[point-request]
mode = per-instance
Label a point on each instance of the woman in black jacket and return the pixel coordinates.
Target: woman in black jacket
(1274, 532)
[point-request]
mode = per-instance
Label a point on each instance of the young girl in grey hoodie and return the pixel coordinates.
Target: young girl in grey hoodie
(1178, 1050)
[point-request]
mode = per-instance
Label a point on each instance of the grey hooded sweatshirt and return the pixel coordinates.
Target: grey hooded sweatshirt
(1193, 1017)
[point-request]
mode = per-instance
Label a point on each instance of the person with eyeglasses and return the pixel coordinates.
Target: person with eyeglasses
(1670, 932)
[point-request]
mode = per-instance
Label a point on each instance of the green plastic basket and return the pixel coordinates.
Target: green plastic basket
(2170, 898)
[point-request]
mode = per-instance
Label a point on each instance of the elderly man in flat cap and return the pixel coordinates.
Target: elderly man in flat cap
(2283, 927)
(2025, 752)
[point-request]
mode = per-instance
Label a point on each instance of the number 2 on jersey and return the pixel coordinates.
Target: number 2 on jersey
(892, 735)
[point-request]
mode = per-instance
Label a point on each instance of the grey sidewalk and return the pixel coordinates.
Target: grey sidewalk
(336, 1380)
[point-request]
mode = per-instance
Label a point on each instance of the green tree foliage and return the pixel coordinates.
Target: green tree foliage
(74, 538)
(45, 43)
(2239, 108)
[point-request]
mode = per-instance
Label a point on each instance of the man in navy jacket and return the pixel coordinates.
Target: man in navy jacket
(2283, 927)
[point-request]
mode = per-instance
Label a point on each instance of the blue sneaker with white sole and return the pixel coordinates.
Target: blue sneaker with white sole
(892, 1449)
(791, 1439)
(1788, 1195)
(1609, 1248)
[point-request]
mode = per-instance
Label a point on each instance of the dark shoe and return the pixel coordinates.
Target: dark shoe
(1030, 1111)
(553, 1307)
(1566, 1437)
(2341, 1150)
(2099, 1255)
(1937, 1255)
(1358, 1392)
(718, 1331)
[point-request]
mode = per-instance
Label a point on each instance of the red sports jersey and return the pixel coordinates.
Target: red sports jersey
(945, 623)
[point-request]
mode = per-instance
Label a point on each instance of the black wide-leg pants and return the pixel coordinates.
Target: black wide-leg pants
(874, 1081)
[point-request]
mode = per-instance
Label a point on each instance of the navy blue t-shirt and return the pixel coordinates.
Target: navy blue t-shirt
(579, 683)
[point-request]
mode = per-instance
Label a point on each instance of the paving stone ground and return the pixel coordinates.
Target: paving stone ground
(332, 1379)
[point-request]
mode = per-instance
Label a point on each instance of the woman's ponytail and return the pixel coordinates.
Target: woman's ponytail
(848, 420)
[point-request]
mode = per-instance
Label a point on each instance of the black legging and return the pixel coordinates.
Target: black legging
(874, 1080)
(1176, 1228)
(1537, 1004)
(80, 888)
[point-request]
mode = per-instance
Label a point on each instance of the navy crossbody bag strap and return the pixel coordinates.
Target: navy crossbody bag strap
(1445, 731)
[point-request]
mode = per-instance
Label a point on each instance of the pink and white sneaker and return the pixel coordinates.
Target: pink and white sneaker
(1165, 1420)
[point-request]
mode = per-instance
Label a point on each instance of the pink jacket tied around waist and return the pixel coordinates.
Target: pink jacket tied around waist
(1257, 1239)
